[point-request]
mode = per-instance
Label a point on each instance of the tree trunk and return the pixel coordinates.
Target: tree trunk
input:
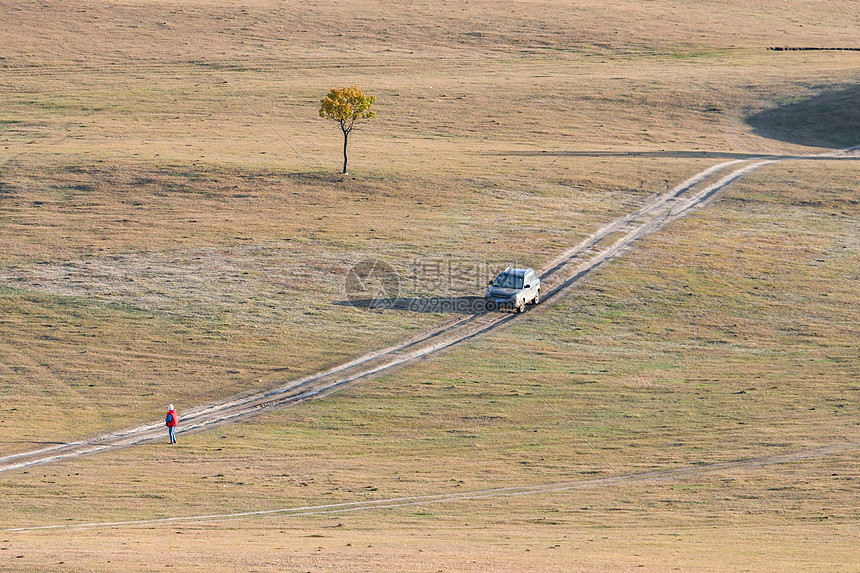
(345, 139)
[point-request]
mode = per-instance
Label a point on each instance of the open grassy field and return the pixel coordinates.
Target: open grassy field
(173, 229)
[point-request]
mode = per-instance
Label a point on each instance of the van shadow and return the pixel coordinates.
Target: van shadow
(435, 305)
(829, 119)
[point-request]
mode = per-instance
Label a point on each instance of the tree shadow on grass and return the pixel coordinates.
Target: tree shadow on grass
(829, 119)
(318, 178)
(677, 154)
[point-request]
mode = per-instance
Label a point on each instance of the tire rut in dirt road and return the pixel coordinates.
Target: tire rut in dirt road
(655, 476)
(557, 278)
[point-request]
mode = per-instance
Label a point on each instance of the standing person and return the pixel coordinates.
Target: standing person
(170, 421)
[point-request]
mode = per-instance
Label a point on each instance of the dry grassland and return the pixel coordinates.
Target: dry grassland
(172, 229)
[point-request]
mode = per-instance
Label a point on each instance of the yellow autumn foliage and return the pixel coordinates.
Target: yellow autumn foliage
(346, 106)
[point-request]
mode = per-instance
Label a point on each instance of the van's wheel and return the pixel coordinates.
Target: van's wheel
(521, 307)
(537, 297)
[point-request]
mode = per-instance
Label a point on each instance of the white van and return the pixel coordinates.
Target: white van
(513, 288)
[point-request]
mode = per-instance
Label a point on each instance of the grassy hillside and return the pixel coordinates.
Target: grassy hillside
(173, 229)
(696, 348)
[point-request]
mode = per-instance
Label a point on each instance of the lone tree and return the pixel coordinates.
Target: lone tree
(346, 106)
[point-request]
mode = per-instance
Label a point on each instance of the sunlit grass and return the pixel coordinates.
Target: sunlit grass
(173, 229)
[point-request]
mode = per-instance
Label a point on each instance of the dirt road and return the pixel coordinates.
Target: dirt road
(557, 278)
(549, 488)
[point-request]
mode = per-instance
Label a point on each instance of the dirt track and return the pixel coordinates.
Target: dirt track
(558, 277)
(349, 507)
